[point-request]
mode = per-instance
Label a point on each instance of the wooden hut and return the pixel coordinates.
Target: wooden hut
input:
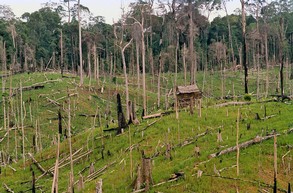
(187, 95)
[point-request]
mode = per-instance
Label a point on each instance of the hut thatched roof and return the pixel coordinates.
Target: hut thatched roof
(187, 89)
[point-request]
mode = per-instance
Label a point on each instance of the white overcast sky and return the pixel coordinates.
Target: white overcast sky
(110, 9)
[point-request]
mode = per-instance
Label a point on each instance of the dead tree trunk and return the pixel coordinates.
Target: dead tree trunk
(33, 182)
(281, 55)
(60, 122)
(256, 140)
(275, 163)
(144, 174)
(99, 186)
(80, 45)
(244, 60)
(121, 119)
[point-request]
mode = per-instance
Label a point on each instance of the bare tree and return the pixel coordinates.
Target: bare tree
(122, 50)
(244, 60)
(80, 45)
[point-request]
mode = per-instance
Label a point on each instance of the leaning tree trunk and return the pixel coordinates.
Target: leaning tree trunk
(125, 77)
(143, 68)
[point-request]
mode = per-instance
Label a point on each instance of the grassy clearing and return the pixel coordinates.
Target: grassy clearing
(256, 162)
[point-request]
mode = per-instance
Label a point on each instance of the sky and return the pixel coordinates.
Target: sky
(110, 9)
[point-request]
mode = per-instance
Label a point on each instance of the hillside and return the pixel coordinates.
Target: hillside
(179, 150)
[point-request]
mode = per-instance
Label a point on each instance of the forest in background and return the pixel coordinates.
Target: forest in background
(163, 36)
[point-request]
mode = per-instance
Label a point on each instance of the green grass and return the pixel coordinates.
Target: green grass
(256, 162)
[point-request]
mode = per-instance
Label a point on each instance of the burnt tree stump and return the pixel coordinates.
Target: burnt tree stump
(121, 119)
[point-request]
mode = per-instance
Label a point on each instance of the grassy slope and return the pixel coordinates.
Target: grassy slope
(256, 162)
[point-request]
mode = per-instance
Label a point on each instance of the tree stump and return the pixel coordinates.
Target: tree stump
(92, 168)
(168, 152)
(144, 174)
(99, 186)
(219, 136)
(121, 119)
(80, 183)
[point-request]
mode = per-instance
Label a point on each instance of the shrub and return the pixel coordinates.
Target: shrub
(247, 97)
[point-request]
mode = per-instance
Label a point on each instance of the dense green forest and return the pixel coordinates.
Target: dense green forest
(165, 36)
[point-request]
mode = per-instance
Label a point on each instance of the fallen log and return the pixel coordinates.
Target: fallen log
(4, 137)
(256, 140)
(157, 115)
(282, 97)
(233, 103)
(289, 130)
(76, 159)
(61, 161)
(98, 172)
(53, 102)
(268, 117)
(35, 86)
(87, 115)
(193, 139)
(185, 143)
(39, 165)
(176, 177)
(7, 188)
(258, 183)
(145, 128)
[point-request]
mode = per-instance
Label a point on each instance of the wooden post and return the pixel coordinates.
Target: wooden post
(147, 175)
(60, 121)
(176, 103)
(80, 183)
(33, 182)
(275, 162)
(22, 127)
(199, 108)
(56, 171)
(71, 180)
(237, 142)
(99, 186)
(191, 105)
(130, 152)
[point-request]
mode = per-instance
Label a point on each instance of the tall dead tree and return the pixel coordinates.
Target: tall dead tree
(281, 54)
(230, 35)
(61, 53)
(122, 50)
(80, 44)
(192, 55)
(244, 59)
